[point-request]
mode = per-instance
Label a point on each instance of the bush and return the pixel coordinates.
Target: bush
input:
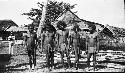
(117, 47)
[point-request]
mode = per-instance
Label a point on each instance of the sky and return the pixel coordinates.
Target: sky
(109, 12)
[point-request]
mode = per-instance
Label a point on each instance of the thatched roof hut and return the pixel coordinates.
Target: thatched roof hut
(5, 24)
(70, 18)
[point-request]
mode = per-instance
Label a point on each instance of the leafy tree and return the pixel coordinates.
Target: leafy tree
(54, 9)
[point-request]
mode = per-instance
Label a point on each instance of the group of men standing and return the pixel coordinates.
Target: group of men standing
(60, 40)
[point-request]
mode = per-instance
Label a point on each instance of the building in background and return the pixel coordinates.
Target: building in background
(4, 25)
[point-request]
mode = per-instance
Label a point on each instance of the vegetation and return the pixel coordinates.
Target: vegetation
(54, 9)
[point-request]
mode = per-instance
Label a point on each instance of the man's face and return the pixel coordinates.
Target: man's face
(31, 30)
(90, 28)
(87, 33)
(46, 31)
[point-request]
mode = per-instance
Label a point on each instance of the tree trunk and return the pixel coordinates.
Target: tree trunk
(43, 16)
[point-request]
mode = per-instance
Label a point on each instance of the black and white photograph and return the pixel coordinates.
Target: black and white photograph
(62, 36)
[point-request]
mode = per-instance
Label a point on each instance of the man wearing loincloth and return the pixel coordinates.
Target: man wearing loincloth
(47, 39)
(30, 45)
(62, 41)
(75, 36)
(92, 44)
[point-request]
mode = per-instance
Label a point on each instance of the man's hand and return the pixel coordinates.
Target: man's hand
(86, 51)
(97, 51)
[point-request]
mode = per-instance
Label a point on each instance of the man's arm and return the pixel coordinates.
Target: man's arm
(97, 43)
(36, 39)
(67, 34)
(42, 40)
(57, 35)
(86, 44)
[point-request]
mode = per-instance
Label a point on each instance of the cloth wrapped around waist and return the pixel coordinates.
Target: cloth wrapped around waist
(91, 49)
(30, 46)
(46, 43)
(62, 47)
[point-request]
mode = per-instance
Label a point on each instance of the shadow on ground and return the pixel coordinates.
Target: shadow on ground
(14, 68)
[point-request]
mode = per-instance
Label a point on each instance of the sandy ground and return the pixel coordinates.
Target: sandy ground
(19, 64)
(107, 61)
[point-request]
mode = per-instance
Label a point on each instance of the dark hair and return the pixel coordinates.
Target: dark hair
(11, 39)
(93, 28)
(76, 27)
(49, 27)
(61, 25)
(31, 26)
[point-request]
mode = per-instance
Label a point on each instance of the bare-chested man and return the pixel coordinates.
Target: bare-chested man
(92, 44)
(47, 39)
(75, 36)
(62, 36)
(30, 45)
